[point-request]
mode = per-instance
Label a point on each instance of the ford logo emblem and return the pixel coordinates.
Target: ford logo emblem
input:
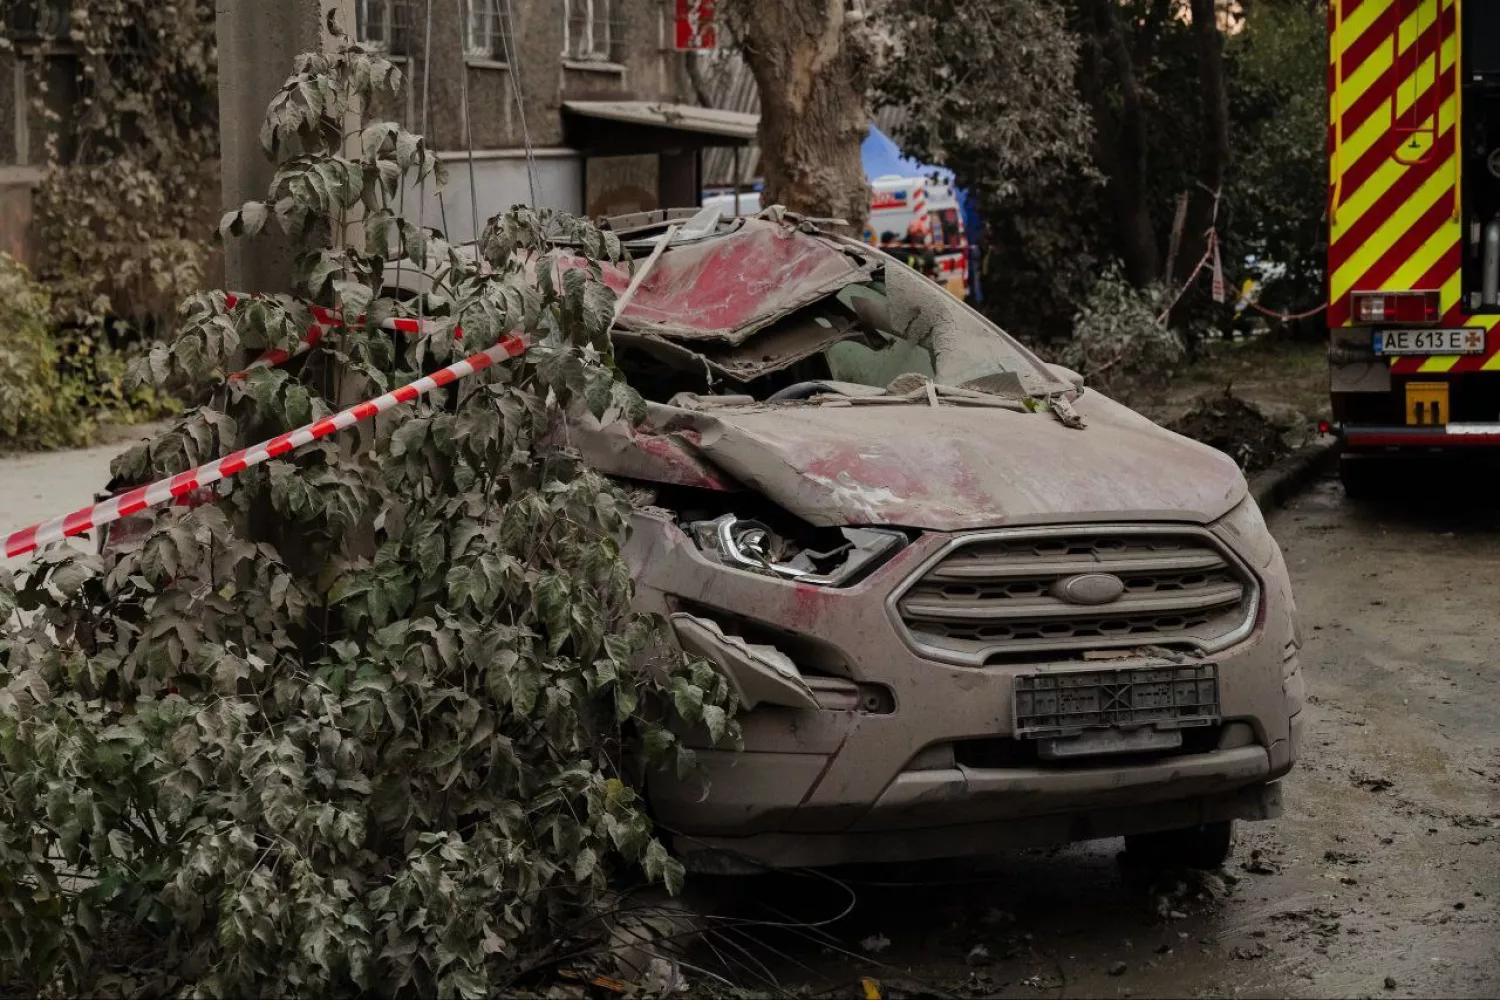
(1090, 588)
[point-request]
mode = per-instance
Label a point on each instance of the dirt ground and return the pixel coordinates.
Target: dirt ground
(1382, 879)
(1288, 380)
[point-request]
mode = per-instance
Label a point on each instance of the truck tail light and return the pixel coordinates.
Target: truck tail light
(1395, 307)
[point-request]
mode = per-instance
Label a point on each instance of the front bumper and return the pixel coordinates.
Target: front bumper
(859, 783)
(1392, 438)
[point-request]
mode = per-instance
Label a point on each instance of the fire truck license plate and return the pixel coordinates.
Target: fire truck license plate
(1464, 340)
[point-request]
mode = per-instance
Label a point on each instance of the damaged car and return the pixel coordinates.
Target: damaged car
(966, 602)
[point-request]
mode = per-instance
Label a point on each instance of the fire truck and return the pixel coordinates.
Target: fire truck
(1414, 231)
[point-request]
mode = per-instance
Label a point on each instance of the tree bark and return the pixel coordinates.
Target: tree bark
(811, 66)
(701, 91)
(1121, 145)
(1216, 152)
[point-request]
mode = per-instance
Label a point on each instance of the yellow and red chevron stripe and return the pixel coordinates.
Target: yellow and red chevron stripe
(1393, 144)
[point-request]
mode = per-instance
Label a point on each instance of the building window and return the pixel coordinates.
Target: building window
(591, 31)
(486, 30)
(33, 20)
(384, 25)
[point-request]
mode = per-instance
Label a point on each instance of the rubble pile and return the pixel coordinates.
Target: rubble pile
(1239, 429)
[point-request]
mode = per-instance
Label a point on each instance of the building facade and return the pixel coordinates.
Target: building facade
(596, 88)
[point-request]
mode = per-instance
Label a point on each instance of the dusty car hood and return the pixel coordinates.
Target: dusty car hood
(942, 468)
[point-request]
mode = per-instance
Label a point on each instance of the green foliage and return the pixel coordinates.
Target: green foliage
(1119, 341)
(131, 147)
(1277, 198)
(96, 377)
(372, 722)
(1026, 101)
(1000, 106)
(37, 410)
(988, 90)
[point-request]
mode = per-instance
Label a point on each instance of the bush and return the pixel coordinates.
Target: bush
(1118, 340)
(132, 149)
(361, 725)
(37, 408)
(111, 252)
(97, 376)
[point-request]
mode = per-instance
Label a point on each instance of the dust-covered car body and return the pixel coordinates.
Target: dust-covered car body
(965, 603)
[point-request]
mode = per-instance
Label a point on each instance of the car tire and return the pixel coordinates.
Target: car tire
(1205, 847)
(1360, 477)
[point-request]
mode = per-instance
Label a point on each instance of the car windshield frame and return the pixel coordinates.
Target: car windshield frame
(968, 347)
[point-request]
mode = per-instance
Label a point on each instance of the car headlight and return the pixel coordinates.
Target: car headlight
(1247, 531)
(835, 558)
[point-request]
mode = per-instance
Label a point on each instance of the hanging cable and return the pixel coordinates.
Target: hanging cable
(463, 98)
(513, 67)
(427, 143)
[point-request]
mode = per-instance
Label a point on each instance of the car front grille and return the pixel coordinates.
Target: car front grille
(995, 596)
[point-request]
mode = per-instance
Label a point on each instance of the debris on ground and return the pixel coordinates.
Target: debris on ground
(875, 943)
(1371, 783)
(1343, 858)
(1259, 864)
(1175, 892)
(1239, 429)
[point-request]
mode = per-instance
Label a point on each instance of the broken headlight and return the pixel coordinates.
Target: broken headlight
(845, 555)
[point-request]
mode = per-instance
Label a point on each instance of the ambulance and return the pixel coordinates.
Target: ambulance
(928, 208)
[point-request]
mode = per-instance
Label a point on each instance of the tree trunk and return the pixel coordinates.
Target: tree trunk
(1216, 152)
(811, 66)
(1121, 145)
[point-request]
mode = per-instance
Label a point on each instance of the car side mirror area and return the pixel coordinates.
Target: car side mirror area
(1067, 375)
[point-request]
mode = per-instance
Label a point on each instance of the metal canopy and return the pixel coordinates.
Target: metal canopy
(653, 125)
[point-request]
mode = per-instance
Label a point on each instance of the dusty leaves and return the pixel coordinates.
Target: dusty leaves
(1119, 338)
(122, 235)
(360, 723)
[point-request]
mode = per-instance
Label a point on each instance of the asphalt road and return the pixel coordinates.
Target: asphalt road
(38, 487)
(1383, 878)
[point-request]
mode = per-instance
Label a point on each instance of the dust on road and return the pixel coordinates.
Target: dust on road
(1382, 879)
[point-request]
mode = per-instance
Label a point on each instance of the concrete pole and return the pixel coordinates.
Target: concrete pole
(258, 42)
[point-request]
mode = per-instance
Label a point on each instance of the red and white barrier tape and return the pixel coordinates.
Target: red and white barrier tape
(1204, 262)
(323, 321)
(18, 543)
(1285, 317)
(165, 490)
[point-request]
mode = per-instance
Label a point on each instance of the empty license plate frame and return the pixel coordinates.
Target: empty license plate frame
(1068, 704)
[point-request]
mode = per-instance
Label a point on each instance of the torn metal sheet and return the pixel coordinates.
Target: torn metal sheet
(759, 674)
(726, 289)
(789, 340)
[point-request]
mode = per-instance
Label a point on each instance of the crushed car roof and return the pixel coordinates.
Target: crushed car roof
(728, 287)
